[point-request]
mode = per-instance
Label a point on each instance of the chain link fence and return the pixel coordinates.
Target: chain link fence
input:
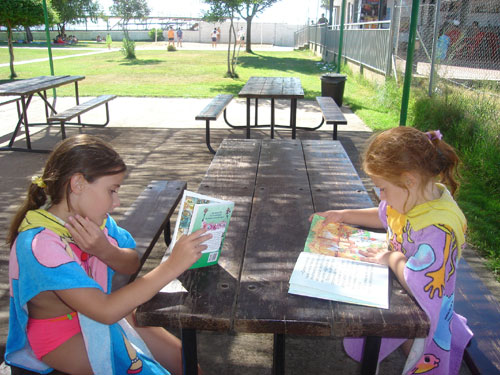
(458, 42)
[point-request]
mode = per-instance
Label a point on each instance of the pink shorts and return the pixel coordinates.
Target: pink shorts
(45, 335)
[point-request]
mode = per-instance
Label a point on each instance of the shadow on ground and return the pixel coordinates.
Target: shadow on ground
(181, 154)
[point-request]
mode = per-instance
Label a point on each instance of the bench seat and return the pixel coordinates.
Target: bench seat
(70, 113)
(331, 113)
(477, 304)
(212, 112)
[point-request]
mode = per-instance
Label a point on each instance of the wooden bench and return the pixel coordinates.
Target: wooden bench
(331, 113)
(476, 303)
(76, 111)
(212, 112)
(146, 219)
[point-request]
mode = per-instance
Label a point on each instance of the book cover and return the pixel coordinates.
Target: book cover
(331, 266)
(200, 211)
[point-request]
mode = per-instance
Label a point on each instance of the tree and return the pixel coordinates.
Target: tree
(22, 13)
(220, 10)
(247, 10)
(75, 11)
(129, 9)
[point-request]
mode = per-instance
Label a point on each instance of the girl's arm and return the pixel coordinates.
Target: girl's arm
(110, 308)
(367, 217)
(91, 239)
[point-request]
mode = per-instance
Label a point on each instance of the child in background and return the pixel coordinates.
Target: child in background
(109, 40)
(65, 250)
(425, 230)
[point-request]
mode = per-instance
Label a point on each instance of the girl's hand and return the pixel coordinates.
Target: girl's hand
(87, 235)
(331, 216)
(187, 250)
(379, 256)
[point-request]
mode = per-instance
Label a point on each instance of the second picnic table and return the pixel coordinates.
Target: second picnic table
(276, 185)
(272, 88)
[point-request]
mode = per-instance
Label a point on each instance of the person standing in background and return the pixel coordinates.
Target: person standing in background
(179, 37)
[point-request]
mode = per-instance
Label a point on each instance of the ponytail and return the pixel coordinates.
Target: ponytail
(446, 162)
(84, 154)
(35, 198)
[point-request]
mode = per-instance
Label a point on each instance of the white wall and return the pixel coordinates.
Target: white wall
(262, 33)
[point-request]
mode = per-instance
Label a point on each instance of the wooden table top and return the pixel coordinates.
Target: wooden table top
(276, 185)
(272, 87)
(36, 84)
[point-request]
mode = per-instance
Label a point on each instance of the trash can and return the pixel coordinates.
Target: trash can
(332, 84)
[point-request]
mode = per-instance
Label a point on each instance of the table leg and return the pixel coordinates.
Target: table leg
(370, 355)
(293, 117)
(77, 99)
(189, 355)
(279, 354)
(207, 137)
(25, 119)
(256, 111)
(272, 118)
(248, 118)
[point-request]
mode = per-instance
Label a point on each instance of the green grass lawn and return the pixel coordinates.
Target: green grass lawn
(172, 74)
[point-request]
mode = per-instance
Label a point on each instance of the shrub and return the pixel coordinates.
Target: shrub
(171, 48)
(159, 35)
(128, 48)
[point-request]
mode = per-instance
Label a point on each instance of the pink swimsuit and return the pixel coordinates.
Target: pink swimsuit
(45, 335)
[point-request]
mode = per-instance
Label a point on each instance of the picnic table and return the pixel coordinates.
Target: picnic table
(276, 185)
(26, 89)
(272, 88)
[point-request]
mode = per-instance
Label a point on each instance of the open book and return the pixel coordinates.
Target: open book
(331, 266)
(200, 211)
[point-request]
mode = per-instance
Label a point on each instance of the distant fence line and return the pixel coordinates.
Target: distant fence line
(262, 33)
(366, 44)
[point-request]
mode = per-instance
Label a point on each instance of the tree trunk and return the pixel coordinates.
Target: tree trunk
(229, 70)
(29, 35)
(11, 52)
(249, 34)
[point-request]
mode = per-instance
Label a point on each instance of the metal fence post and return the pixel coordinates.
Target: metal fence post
(409, 62)
(341, 35)
(434, 45)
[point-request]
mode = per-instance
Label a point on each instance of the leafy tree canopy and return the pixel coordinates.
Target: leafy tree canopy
(129, 9)
(76, 11)
(16, 13)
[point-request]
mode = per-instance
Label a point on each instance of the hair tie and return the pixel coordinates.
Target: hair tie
(436, 134)
(38, 181)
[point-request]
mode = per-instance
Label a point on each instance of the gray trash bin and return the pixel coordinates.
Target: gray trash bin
(332, 84)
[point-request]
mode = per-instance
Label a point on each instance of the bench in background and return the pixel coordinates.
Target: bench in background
(146, 219)
(212, 112)
(477, 304)
(331, 113)
(63, 117)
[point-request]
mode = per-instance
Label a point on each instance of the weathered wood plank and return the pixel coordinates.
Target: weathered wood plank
(209, 302)
(147, 218)
(272, 87)
(81, 108)
(213, 110)
(331, 112)
(475, 302)
(277, 231)
(36, 84)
